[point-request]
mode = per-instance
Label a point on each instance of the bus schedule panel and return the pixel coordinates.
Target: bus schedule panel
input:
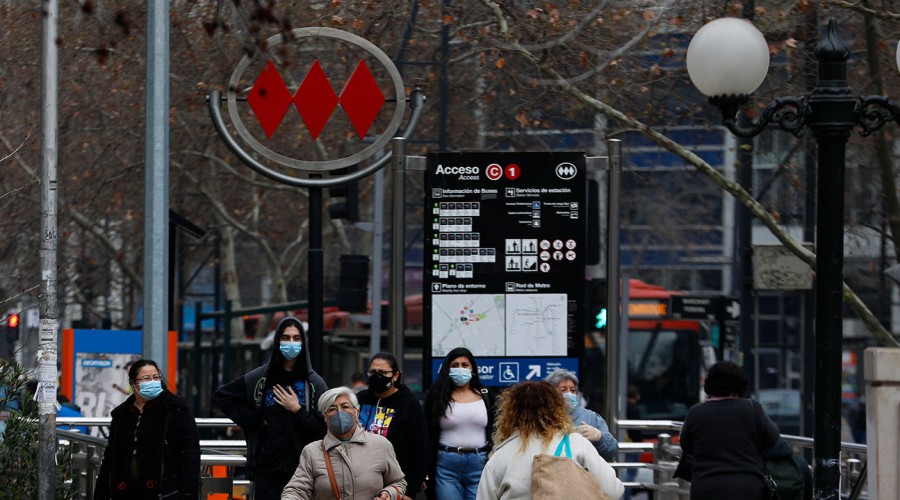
(505, 254)
(503, 372)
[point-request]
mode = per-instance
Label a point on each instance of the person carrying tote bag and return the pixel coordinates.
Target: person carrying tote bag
(532, 421)
(553, 474)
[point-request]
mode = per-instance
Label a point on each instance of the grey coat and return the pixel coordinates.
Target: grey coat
(363, 466)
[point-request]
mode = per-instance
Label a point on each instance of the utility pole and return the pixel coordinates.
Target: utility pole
(49, 313)
(156, 186)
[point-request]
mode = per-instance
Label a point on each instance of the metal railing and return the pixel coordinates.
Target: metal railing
(87, 452)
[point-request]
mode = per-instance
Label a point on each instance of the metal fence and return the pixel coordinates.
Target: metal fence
(220, 458)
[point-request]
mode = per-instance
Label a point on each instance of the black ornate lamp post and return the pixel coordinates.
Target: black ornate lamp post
(727, 60)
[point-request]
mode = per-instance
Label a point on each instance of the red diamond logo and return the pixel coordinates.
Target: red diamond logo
(269, 99)
(361, 99)
(315, 100)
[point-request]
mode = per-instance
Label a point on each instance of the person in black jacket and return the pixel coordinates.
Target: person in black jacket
(154, 448)
(460, 413)
(275, 405)
(389, 409)
(723, 440)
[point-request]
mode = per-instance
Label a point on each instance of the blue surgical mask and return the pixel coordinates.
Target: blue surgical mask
(342, 422)
(460, 376)
(290, 350)
(571, 400)
(150, 389)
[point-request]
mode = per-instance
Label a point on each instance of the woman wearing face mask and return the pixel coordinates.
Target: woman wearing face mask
(348, 463)
(275, 405)
(460, 413)
(587, 423)
(389, 409)
(154, 449)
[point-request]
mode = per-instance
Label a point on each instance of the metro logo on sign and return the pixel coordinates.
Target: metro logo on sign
(315, 99)
(566, 171)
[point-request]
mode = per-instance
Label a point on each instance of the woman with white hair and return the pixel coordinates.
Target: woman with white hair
(348, 463)
(587, 423)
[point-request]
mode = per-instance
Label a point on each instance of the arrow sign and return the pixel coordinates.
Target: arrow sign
(732, 309)
(533, 371)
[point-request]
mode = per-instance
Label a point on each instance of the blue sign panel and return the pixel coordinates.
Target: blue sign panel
(502, 372)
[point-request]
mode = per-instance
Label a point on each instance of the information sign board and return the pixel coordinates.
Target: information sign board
(505, 254)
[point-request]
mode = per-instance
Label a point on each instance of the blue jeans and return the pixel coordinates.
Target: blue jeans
(458, 474)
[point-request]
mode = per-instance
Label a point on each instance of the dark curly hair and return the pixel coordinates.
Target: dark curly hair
(725, 379)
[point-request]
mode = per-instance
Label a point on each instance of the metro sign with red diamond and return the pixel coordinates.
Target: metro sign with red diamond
(315, 99)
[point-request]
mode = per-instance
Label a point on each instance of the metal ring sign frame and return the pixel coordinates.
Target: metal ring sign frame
(298, 34)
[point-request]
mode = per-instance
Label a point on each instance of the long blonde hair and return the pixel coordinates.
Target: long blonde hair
(534, 409)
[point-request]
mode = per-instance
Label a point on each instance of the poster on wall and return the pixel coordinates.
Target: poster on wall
(101, 382)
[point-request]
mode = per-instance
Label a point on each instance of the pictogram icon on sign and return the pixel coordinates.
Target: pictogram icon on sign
(566, 171)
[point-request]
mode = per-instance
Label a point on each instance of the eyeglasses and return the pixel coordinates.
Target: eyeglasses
(345, 407)
(148, 378)
(386, 373)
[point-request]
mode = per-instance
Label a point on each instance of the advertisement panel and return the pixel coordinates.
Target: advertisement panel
(505, 247)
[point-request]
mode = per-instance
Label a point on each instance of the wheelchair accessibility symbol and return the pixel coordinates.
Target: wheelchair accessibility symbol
(509, 372)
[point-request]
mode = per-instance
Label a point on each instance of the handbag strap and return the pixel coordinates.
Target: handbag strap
(331, 479)
(564, 443)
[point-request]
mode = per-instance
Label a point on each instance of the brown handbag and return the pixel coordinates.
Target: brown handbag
(555, 476)
(331, 478)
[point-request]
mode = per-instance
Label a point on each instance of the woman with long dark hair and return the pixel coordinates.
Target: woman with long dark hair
(460, 413)
(275, 405)
(154, 448)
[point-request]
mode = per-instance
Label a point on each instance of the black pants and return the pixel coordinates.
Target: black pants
(269, 485)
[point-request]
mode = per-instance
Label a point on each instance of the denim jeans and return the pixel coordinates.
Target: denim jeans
(458, 474)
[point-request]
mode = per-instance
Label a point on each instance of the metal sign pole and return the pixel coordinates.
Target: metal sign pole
(398, 260)
(614, 329)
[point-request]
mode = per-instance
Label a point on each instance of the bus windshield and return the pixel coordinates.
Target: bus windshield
(663, 365)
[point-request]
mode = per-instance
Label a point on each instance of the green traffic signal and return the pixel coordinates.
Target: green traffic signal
(601, 319)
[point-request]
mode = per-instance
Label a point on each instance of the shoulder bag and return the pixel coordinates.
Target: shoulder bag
(331, 478)
(555, 476)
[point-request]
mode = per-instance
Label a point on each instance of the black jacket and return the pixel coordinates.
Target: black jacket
(167, 459)
(400, 418)
(275, 436)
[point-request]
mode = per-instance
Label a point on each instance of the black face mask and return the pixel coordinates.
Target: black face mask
(380, 383)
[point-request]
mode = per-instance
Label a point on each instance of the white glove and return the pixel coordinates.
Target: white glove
(590, 433)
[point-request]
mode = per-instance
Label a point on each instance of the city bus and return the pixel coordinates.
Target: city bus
(667, 357)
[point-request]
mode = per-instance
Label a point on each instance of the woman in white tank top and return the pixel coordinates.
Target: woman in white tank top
(460, 420)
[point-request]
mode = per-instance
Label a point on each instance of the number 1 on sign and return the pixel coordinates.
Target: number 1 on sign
(512, 171)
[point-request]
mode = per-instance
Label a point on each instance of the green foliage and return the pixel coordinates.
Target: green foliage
(19, 445)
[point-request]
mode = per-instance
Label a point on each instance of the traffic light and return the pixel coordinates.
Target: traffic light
(12, 327)
(344, 198)
(597, 302)
(353, 294)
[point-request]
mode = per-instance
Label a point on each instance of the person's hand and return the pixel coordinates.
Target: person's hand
(383, 496)
(286, 398)
(590, 433)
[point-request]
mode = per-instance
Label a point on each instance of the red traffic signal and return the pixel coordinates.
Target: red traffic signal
(12, 321)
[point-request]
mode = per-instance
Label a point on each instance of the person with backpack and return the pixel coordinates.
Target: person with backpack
(791, 474)
(275, 405)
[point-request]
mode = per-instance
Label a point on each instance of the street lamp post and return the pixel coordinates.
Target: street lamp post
(727, 60)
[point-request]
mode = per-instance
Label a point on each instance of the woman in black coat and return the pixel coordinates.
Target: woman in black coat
(723, 440)
(154, 449)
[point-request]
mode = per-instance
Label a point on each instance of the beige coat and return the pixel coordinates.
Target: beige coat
(363, 467)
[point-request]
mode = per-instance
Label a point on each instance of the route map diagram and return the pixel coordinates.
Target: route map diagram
(474, 321)
(536, 324)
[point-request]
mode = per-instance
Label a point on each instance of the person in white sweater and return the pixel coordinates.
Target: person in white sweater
(532, 419)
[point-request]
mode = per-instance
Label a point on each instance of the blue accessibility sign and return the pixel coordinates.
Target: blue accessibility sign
(502, 372)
